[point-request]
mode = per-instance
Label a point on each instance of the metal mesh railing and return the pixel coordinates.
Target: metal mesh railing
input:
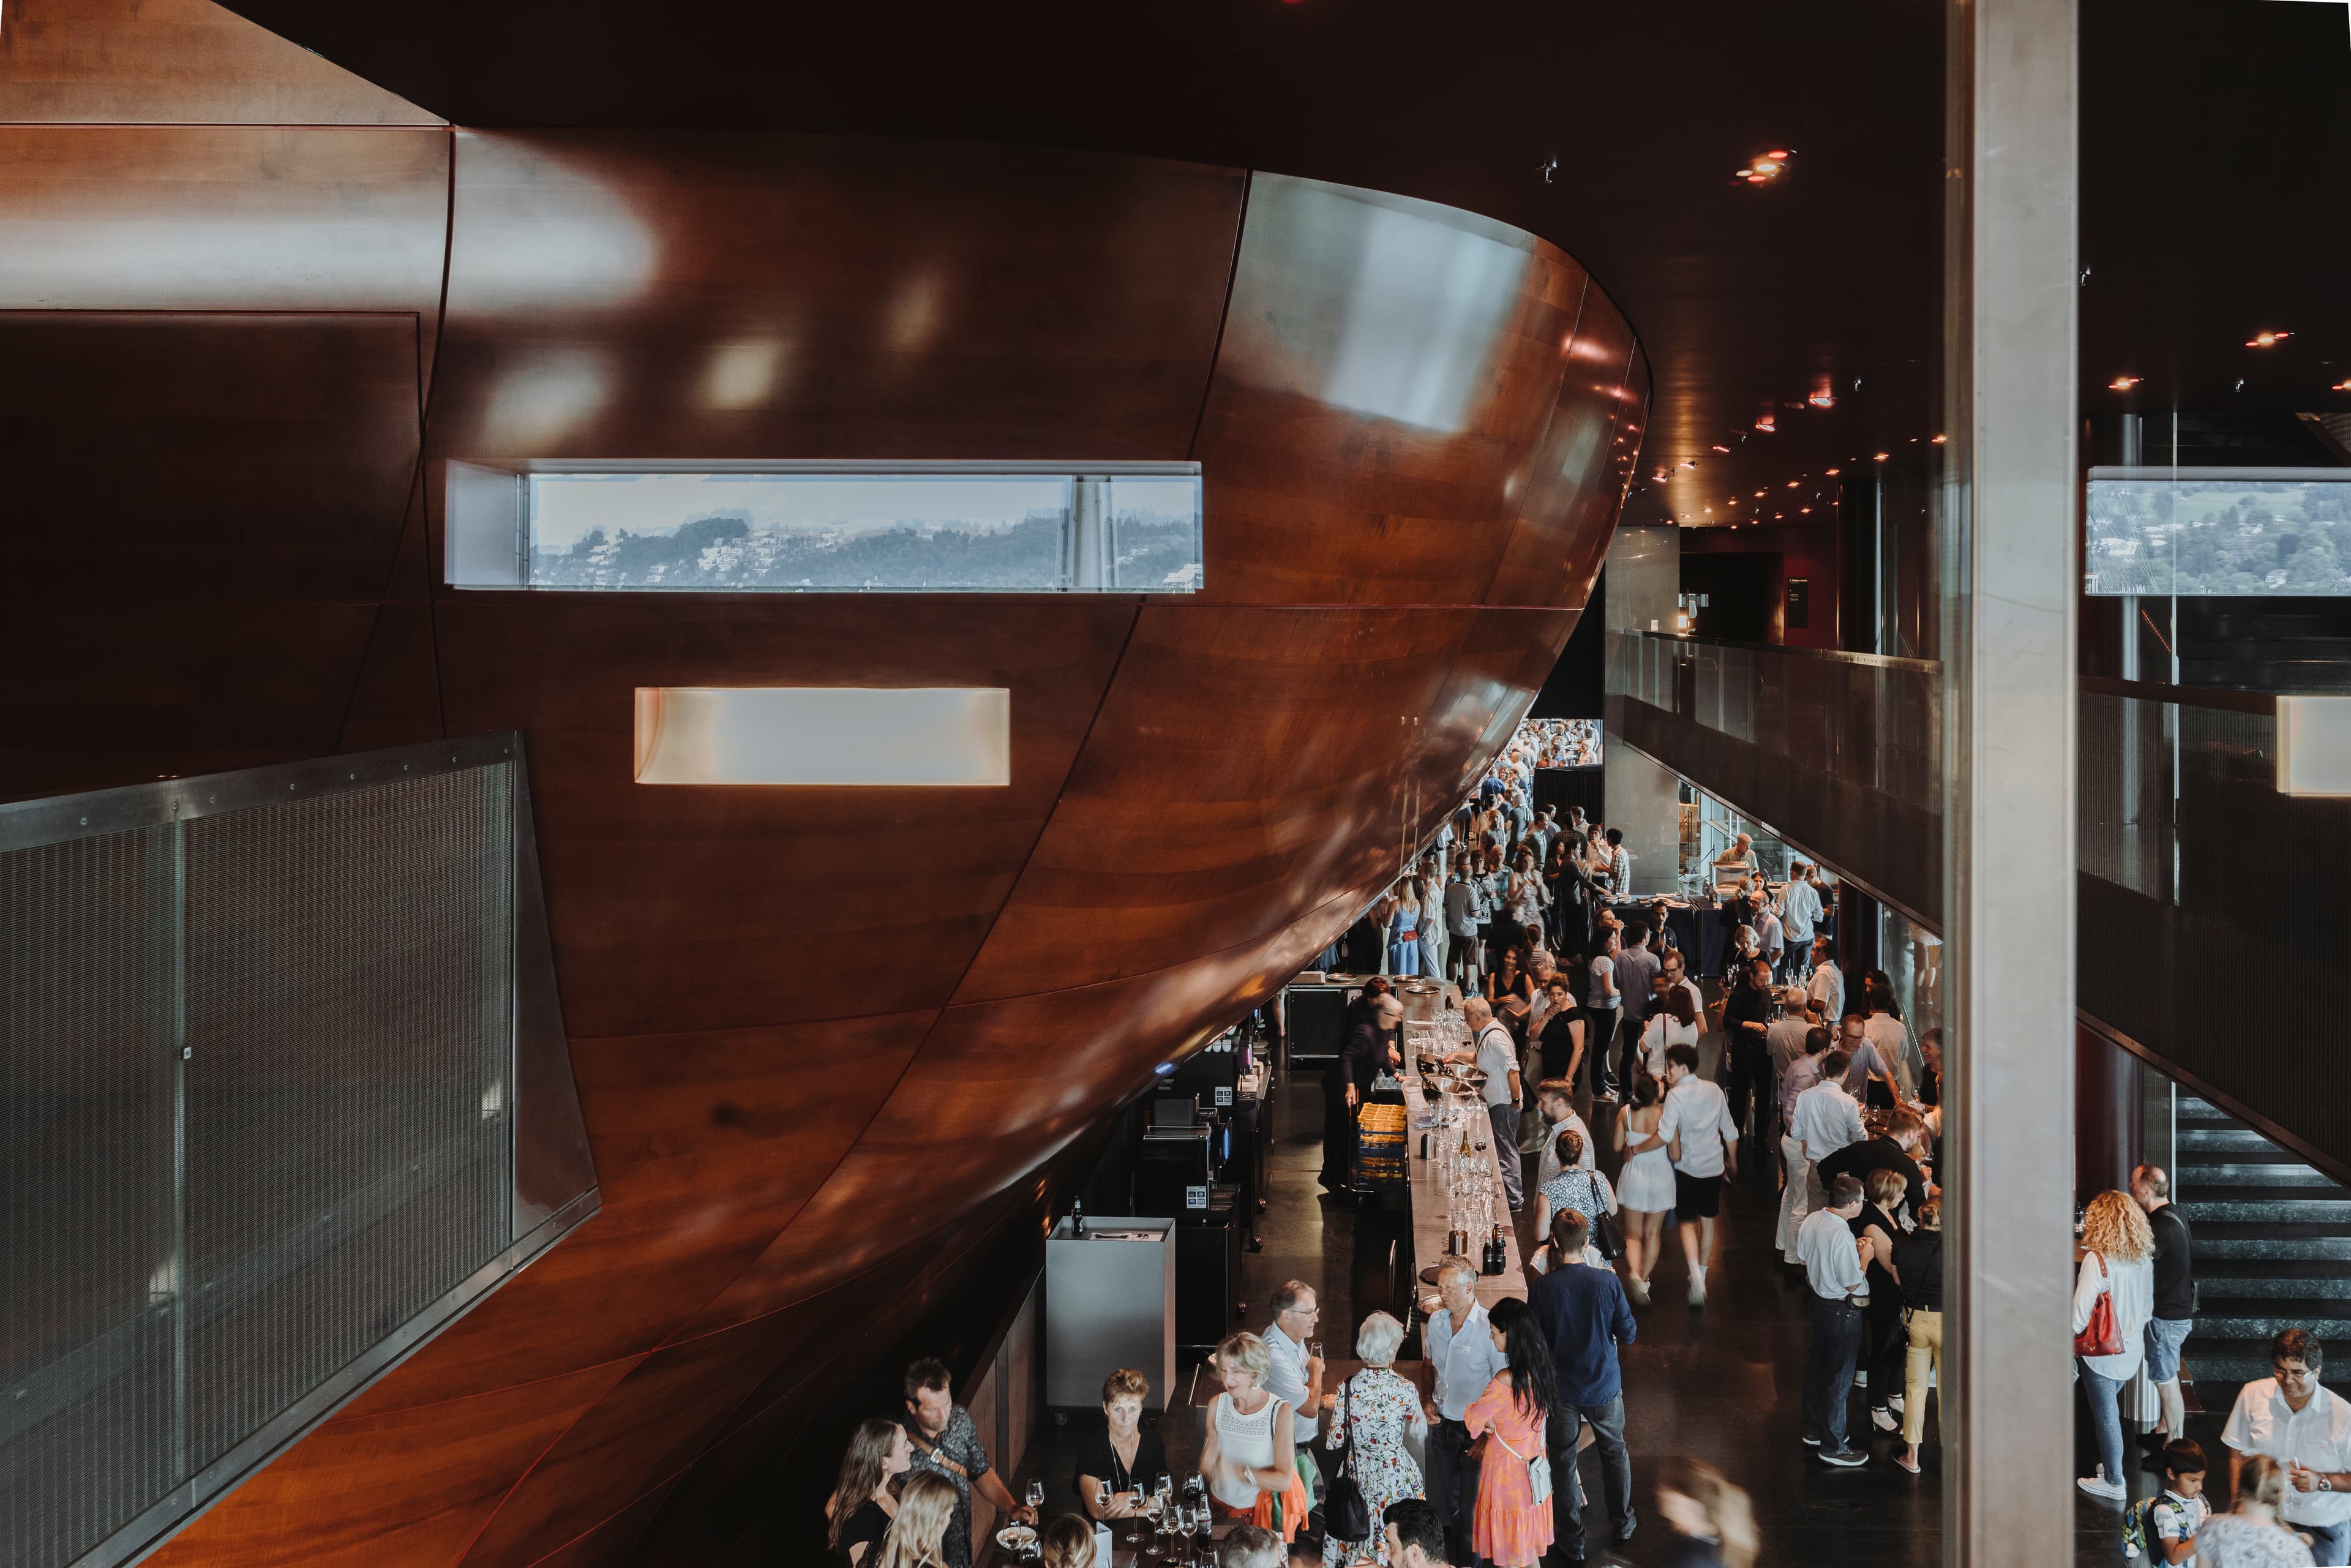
(258, 1089)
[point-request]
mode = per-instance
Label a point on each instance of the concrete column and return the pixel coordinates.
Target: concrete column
(2008, 534)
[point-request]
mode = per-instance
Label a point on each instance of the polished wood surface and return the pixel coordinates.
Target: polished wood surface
(155, 61)
(819, 1035)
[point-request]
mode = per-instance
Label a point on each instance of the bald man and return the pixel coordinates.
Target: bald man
(1497, 1056)
(2175, 1292)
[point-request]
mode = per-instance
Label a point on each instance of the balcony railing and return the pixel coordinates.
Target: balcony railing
(1839, 751)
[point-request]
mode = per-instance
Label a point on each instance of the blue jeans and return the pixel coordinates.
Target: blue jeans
(2106, 1419)
(2329, 1544)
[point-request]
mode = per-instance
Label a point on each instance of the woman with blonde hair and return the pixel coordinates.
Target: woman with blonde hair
(1068, 1542)
(918, 1536)
(862, 1503)
(2252, 1536)
(1713, 1522)
(1249, 1453)
(2115, 1287)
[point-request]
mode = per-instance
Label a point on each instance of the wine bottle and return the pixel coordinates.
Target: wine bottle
(1078, 1219)
(1498, 1253)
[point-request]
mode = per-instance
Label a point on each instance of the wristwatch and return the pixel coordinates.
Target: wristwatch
(2325, 1483)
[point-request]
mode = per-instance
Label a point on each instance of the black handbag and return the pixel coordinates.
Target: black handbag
(1345, 1515)
(1608, 1235)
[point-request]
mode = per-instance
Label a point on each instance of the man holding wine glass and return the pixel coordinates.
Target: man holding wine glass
(946, 1443)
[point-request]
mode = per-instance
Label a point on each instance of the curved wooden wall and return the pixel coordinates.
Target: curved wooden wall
(813, 1029)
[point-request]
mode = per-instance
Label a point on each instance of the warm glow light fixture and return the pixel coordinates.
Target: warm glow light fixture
(1884, 455)
(1762, 170)
(1938, 441)
(1833, 473)
(1722, 449)
(2340, 386)
(1767, 423)
(2122, 383)
(1823, 394)
(2267, 339)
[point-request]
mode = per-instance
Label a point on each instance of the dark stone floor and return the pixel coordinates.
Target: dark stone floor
(1722, 1382)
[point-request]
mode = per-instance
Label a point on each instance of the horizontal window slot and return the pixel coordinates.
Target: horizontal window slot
(839, 735)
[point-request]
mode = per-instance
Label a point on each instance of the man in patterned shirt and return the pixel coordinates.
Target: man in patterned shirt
(944, 1441)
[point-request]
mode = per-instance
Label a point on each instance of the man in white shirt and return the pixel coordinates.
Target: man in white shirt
(1553, 1102)
(1838, 1299)
(2305, 1428)
(1800, 908)
(1676, 969)
(1890, 1035)
(1796, 1170)
(1702, 1142)
(1294, 1375)
(1461, 1355)
(1826, 987)
(1826, 1119)
(1497, 1056)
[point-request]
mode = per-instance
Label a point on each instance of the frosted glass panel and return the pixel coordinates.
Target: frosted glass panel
(824, 735)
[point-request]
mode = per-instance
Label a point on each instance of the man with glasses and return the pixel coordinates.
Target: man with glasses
(1295, 1376)
(2301, 1426)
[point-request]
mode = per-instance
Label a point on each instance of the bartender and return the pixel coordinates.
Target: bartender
(1737, 862)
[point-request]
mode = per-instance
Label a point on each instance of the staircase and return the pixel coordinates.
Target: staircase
(2271, 644)
(2272, 1250)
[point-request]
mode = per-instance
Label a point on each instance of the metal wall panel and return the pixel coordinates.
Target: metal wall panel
(349, 962)
(89, 1434)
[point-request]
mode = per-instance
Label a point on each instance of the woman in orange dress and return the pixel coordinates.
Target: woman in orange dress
(1512, 1526)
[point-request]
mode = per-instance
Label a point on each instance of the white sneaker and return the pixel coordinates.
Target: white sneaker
(1861, 1380)
(1697, 1288)
(2097, 1485)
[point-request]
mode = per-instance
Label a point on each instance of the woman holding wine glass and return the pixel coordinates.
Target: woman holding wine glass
(1117, 1466)
(1249, 1451)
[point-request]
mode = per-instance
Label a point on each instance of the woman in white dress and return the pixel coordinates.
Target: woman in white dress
(2118, 1262)
(1379, 1412)
(1249, 1446)
(1645, 1182)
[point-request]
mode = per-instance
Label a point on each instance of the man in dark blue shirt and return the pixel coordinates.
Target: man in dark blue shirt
(1586, 1316)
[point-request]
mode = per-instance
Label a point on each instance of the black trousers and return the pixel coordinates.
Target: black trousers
(1749, 1079)
(1599, 1032)
(1338, 1141)
(1451, 1485)
(1837, 1330)
(1561, 1426)
(1889, 1348)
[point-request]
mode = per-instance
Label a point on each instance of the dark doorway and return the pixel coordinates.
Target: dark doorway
(1742, 591)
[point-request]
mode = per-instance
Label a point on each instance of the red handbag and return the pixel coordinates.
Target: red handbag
(2101, 1336)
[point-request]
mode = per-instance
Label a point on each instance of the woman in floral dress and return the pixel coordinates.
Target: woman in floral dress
(1512, 1526)
(1377, 1410)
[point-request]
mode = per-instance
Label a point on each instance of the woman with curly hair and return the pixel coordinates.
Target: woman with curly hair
(2119, 1263)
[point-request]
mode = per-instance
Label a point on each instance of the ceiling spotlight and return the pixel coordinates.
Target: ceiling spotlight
(1806, 511)
(1833, 473)
(1762, 170)
(2340, 386)
(1722, 449)
(1758, 494)
(1938, 441)
(2122, 383)
(1767, 423)
(1791, 483)
(1823, 392)
(2267, 339)
(1884, 455)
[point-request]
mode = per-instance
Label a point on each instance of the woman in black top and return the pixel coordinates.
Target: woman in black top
(1876, 1225)
(1918, 1261)
(1118, 1465)
(862, 1503)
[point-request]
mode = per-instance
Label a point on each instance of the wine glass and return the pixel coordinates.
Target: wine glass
(1036, 1494)
(1101, 1496)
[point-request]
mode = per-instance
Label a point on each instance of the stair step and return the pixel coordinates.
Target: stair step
(2282, 1248)
(2320, 1317)
(2215, 1288)
(2287, 1205)
(2194, 1179)
(2200, 1138)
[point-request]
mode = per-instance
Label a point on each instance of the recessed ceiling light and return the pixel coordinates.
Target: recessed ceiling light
(2267, 339)
(2122, 383)
(1767, 423)
(1938, 441)
(1884, 455)
(1833, 473)
(2340, 386)
(1722, 449)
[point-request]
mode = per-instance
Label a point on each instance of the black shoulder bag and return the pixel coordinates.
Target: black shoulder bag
(1345, 1515)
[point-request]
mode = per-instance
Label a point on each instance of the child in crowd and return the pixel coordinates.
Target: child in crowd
(2165, 1525)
